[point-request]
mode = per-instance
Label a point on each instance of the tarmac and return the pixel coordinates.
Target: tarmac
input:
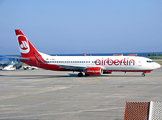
(52, 95)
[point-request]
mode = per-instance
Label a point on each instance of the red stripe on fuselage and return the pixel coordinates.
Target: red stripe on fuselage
(34, 62)
(145, 71)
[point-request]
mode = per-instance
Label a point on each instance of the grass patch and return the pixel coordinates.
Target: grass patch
(154, 57)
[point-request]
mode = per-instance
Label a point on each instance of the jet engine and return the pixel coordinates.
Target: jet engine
(94, 71)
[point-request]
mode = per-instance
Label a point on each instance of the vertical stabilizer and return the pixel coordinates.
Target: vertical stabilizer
(26, 48)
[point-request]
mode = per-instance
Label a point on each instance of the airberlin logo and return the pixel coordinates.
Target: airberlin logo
(23, 44)
(108, 61)
(93, 71)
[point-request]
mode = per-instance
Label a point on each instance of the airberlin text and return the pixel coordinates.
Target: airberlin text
(108, 61)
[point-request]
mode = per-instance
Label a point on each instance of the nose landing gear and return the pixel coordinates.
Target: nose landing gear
(143, 74)
(148, 71)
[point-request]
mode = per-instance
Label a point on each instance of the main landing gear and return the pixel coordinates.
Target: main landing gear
(143, 74)
(80, 74)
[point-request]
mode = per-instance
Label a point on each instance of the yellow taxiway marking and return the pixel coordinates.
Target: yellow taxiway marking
(48, 88)
(32, 99)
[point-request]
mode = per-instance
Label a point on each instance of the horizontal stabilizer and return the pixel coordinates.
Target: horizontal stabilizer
(19, 58)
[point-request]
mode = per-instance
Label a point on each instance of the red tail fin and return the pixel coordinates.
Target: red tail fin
(26, 48)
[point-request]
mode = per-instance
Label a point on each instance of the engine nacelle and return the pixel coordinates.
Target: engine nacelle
(94, 71)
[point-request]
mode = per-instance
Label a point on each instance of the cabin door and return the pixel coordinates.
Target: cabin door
(140, 63)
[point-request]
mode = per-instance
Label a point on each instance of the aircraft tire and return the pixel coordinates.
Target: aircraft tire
(80, 74)
(143, 74)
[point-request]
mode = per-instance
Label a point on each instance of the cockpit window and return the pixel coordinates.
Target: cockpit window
(149, 61)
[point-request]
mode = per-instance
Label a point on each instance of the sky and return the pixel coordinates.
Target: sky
(82, 26)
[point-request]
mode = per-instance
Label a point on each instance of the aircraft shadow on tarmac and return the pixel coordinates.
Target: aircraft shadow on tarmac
(68, 75)
(2, 75)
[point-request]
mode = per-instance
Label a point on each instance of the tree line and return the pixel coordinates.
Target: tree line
(154, 54)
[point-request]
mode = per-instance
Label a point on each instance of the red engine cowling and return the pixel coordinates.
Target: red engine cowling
(94, 71)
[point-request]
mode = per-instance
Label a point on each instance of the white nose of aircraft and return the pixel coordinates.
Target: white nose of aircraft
(156, 65)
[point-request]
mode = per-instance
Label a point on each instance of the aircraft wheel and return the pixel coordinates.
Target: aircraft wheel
(143, 74)
(80, 74)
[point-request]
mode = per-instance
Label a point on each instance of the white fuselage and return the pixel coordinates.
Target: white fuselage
(114, 63)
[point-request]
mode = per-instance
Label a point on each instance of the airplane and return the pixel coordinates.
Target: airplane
(90, 65)
(8, 63)
(9, 67)
(85, 54)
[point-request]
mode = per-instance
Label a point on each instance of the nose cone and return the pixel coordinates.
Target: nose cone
(156, 65)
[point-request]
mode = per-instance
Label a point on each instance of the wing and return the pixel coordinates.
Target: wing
(73, 67)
